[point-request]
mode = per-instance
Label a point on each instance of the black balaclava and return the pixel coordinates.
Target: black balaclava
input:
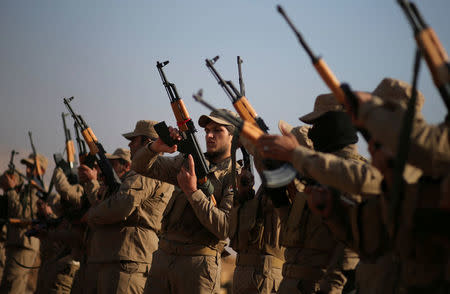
(332, 131)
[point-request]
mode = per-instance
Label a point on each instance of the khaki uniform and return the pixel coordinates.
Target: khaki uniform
(125, 227)
(194, 230)
(422, 259)
(2, 250)
(255, 236)
(20, 249)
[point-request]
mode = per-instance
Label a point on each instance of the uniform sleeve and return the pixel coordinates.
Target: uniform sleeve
(429, 147)
(150, 164)
(70, 193)
(92, 188)
(14, 206)
(133, 191)
(345, 175)
(215, 219)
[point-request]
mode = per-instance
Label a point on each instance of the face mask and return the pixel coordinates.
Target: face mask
(332, 131)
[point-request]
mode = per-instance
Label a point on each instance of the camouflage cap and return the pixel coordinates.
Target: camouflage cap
(324, 103)
(215, 117)
(143, 128)
(396, 91)
(120, 153)
(42, 160)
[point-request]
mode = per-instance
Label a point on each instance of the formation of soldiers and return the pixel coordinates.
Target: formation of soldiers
(341, 224)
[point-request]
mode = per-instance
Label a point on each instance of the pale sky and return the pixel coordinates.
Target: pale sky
(104, 53)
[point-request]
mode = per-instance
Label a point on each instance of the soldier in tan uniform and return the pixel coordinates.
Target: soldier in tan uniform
(195, 227)
(21, 251)
(315, 261)
(127, 223)
(422, 262)
(255, 236)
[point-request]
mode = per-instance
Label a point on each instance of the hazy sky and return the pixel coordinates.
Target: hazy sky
(104, 53)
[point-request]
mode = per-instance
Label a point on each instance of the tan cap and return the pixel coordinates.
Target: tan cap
(120, 153)
(396, 91)
(42, 160)
(300, 133)
(324, 103)
(143, 128)
(215, 117)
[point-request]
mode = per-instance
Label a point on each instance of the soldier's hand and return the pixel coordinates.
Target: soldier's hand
(246, 181)
(187, 180)
(277, 147)
(43, 208)
(8, 182)
(320, 200)
(86, 174)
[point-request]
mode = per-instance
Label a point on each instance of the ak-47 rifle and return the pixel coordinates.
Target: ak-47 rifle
(240, 102)
(83, 155)
(68, 165)
(431, 48)
(188, 143)
(277, 173)
(112, 181)
(274, 178)
(342, 92)
(12, 167)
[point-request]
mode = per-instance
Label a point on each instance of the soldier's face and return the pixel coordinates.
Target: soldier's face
(218, 139)
(135, 144)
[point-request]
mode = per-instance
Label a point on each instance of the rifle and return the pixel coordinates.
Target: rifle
(12, 167)
(275, 178)
(68, 166)
(276, 173)
(83, 156)
(36, 178)
(240, 102)
(342, 92)
(431, 49)
(96, 149)
(188, 143)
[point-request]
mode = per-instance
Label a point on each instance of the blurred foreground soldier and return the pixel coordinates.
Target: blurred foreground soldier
(315, 261)
(126, 224)
(421, 238)
(194, 228)
(255, 236)
(21, 251)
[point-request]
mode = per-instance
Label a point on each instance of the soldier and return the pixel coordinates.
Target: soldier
(314, 259)
(194, 229)
(21, 251)
(127, 223)
(255, 235)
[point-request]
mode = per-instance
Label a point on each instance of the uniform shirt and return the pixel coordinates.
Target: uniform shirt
(429, 148)
(125, 223)
(22, 205)
(347, 175)
(256, 227)
(192, 219)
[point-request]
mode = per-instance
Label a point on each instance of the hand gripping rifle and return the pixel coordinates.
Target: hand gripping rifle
(12, 167)
(275, 178)
(342, 92)
(188, 143)
(96, 149)
(431, 48)
(68, 165)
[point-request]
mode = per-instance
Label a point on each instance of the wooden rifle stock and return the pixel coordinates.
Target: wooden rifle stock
(431, 49)
(181, 114)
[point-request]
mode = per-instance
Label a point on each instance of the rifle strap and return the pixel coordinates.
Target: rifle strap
(234, 147)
